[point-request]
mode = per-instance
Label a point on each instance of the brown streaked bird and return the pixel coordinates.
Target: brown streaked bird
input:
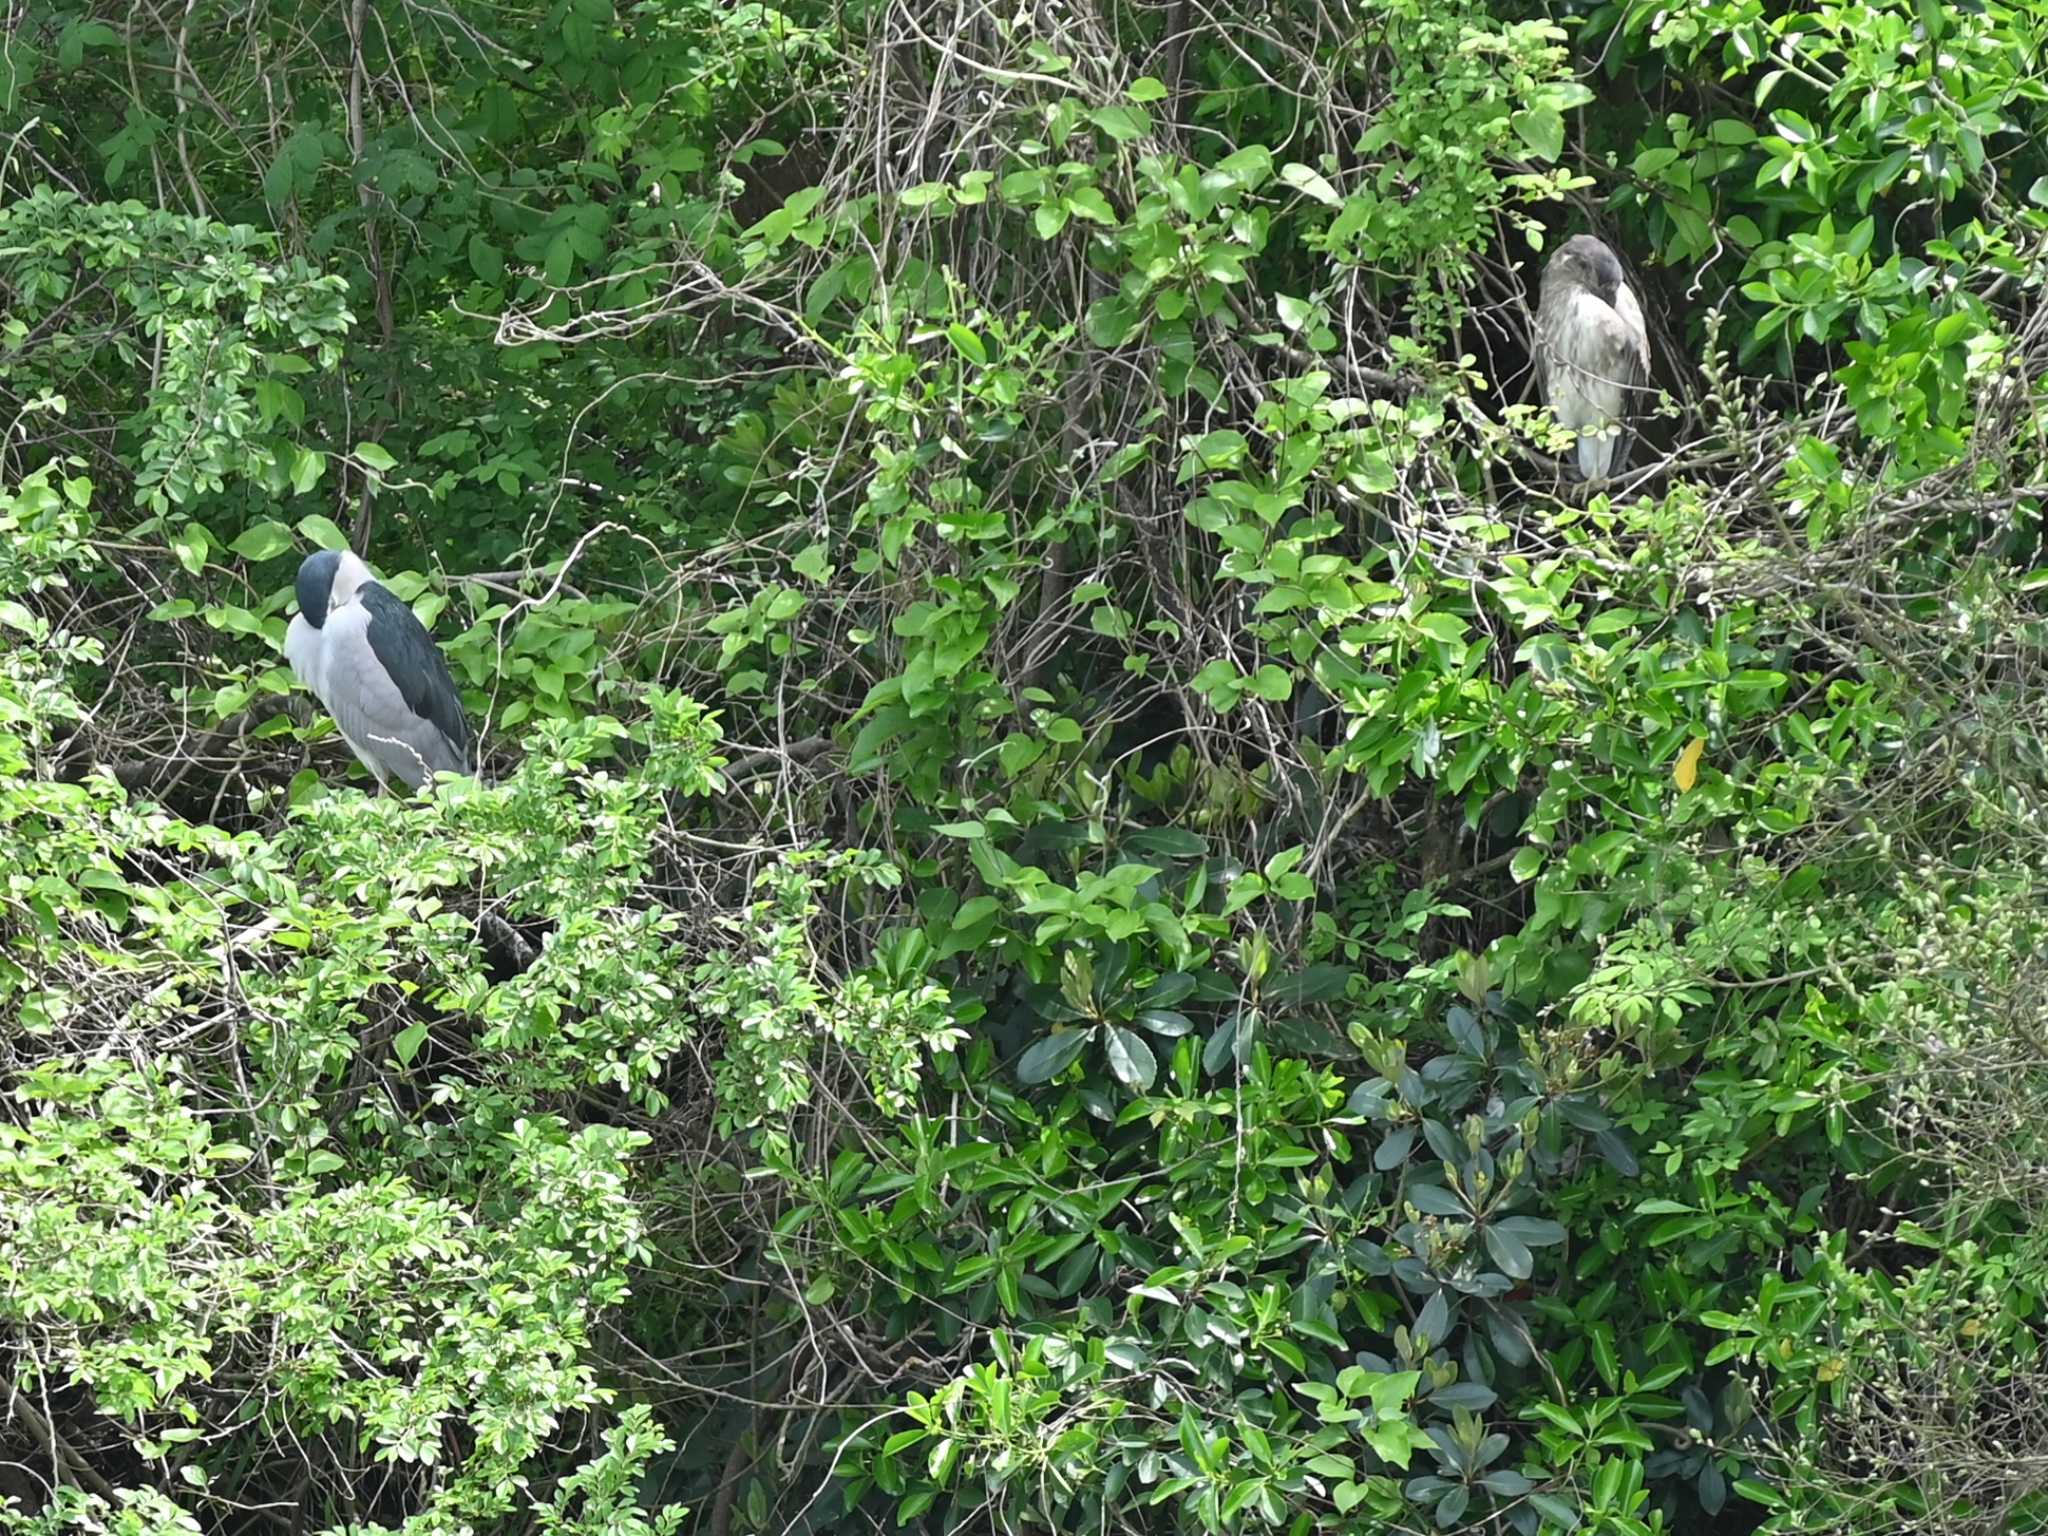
(1592, 352)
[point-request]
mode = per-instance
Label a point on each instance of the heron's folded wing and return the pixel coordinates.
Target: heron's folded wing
(1607, 355)
(370, 706)
(1636, 335)
(1583, 363)
(416, 663)
(1601, 349)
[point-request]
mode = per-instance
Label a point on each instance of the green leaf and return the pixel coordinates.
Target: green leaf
(1395, 1441)
(1435, 1200)
(1536, 1231)
(968, 345)
(485, 259)
(1310, 182)
(408, 1042)
(1542, 130)
(1509, 1253)
(375, 457)
(974, 911)
(1390, 1393)
(307, 463)
(265, 541)
(1164, 1021)
(1168, 990)
(1600, 1341)
(1018, 752)
(275, 398)
(1271, 683)
(1145, 88)
(19, 64)
(1131, 1059)
(1087, 203)
(1111, 319)
(1124, 124)
(1171, 843)
(321, 530)
(1049, 219)
(189, 544)
(1052, 1055)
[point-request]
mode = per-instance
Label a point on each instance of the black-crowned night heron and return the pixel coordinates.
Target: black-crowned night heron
(378, 672)
(1592, 352)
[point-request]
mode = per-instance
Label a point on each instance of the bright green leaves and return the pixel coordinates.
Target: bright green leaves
(1054, 196)
(1868, 138)
(1122, 125)
(222, 320)
(263, 541)
(322, 530)
(372, 456)
(1541, 130)
(1910, 354)
(796, 220)
(1223, 685)
(1308, 180)
(190, 544)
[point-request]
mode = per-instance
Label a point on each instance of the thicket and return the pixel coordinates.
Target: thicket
(1096, 904)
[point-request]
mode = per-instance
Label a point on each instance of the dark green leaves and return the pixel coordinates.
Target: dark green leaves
(1131, 1059)
(1052, 1055)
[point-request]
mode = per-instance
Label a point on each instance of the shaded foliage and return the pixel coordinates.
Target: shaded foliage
(1095, 901)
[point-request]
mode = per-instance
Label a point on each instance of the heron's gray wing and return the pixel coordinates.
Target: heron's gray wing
(411, 657)
(369, 705)
(1634, 370)
(1631, 314)
(1600, 363)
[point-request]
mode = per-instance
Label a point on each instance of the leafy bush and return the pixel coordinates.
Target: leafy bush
(1094, 900)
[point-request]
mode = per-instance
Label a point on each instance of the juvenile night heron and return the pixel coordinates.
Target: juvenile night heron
(1592, 352)
(378, 672)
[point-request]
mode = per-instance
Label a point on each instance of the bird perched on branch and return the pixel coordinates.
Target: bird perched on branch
(378, 671)
(1592, 352)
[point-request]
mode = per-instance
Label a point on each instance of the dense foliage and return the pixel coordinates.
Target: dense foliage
(1097, 902)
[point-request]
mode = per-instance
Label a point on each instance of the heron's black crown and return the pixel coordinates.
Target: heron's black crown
(316, 584)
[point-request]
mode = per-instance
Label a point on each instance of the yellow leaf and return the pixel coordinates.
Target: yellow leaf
(1687, 773)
